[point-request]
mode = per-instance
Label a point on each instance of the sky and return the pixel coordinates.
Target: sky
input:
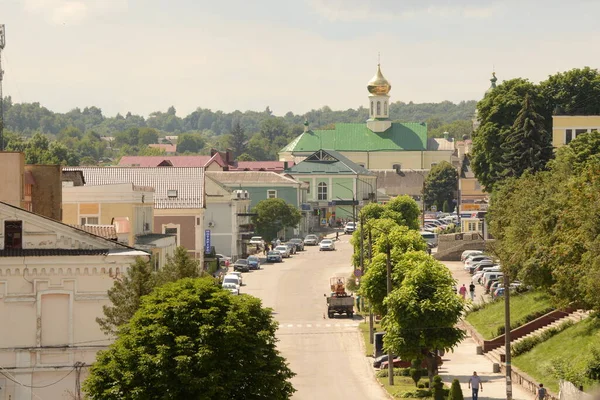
(291, 55)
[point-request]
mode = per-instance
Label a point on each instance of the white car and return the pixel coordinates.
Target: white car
(349, 228)
(257, 240)
(233, 289)
(326, 244)
(467, 253)
(284, 250)
(233, 279)
(238, 274)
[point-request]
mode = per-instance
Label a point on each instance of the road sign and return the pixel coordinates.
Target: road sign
(207, 241)
(357, 273)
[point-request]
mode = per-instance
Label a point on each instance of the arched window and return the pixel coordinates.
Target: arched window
(385, 108)
(378, 108)
(322, 191)
(371, 108)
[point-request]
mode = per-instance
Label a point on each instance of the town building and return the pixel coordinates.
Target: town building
(178, 199)
(54, 280)
(378, 144)
(337, 187)
(566, 127)
(34, 188)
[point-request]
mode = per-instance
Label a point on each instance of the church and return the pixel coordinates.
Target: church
(379, 144)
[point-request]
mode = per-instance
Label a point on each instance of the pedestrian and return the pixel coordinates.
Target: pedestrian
(541, 392)
(337, 236)
(475, 385)
(472, 291)
(463, 291)
(358, 303)
(265, 249)
(278, 242)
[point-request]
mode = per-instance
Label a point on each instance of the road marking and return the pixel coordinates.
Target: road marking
(308, 325)
(290, 326)
(328, 325)
(311, 325)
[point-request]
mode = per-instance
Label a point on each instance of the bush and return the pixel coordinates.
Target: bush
(525, 345)
(524, 320)
(438, 388)
(405, 372)
(415, 371)
(592, 370)
(456, 391)
(417, 394)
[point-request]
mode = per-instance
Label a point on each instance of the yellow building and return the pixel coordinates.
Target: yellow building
(566, 127)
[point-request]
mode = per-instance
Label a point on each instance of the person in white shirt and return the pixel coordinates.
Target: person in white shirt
(475, 385)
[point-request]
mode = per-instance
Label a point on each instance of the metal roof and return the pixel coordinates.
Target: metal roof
(250, 177)
(174, 187)
(169, 161)
(52, 252)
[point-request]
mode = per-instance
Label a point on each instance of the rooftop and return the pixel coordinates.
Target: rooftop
(274, 166)
(250, 177)
(328, 162)
(52, 252)
(105, 231)
(167, 161)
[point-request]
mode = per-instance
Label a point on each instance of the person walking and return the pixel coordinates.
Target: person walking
(475, 385)
(541, 393)
(463, 291)
(472, 291)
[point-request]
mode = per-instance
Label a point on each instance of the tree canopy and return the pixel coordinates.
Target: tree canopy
(191, 339)
(274, 215)
(441, 185)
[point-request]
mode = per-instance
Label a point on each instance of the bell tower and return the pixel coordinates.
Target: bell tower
(379, 101)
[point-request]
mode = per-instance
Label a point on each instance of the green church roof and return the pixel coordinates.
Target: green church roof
(357, 137)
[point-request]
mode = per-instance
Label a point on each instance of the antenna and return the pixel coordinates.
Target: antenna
(2, 43)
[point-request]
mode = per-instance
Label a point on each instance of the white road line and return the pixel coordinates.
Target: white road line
(290, 326)
(308, 325)
(328, 325)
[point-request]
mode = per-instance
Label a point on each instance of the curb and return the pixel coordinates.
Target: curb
(363, 349)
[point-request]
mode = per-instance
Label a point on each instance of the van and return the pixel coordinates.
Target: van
(490, 275)
(430, 237)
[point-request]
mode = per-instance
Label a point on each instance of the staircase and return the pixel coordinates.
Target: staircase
(497, 355)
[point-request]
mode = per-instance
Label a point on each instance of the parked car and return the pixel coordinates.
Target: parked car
(311, 240)
(398, 363)
(326, 244)
(241, 265)
(290, 246)
(467, 253)
(377, 362)
(349, 228)
(299, 243)
(477, 258)
(253, 262)
(234, 279)
(232, 288)
(224, 261)
(430, 238)
(274, 256)
(257, 240)
(239, 275)
(283, 250)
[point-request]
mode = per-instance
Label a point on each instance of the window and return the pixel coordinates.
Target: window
(170, 230)
(322, 191)
(378, 108)
(371, 108)
(271, 194)
(89, 220)
(580, 131)
(568, 136)
(171, 194)
(13, 234)
(385, 108)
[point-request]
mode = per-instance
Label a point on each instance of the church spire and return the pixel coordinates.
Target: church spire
(493, 81)
(379, 99)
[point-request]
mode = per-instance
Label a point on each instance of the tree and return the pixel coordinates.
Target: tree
(191, 339)
(190, 143)
(423, 310)
(274, 215)
(415, 371)
(125, 296)
(456, 391)
(147, 136)
(440, 185)
(245, 157)
(371, 211)
(528, 146)
(404, 210)
(238, 139)
(179, 266)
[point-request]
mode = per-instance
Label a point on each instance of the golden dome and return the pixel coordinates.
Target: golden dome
(378, 85)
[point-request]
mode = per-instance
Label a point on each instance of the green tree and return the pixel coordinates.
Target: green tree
(404, 210)
(245, 157)
(528, 146)
(238, 139)
(272, 128)
(125, 296)
(456, 391)
(415, 371)
(190, 143)
(147, 136)
(192, 340)
(178, 266)
(274, 215)
(440, 185)
(423, 310)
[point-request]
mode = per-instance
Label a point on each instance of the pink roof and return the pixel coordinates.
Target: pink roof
(169, 161)
(275, 166)
(169, 148)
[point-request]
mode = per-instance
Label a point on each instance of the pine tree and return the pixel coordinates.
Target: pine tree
(238, 139)
(179, 266)
(456, 391)
(527, 146)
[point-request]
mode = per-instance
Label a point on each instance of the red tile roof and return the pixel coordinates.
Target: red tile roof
(105, 231)
(274, 166)
(169, 161)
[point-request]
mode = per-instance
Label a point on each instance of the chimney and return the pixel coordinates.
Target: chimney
(285, 165)
(228, 156)
(213, 152)
(446, 136)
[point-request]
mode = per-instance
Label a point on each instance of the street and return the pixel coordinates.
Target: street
(326, 354)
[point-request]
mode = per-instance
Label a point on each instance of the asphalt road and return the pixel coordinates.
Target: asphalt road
(326, 354)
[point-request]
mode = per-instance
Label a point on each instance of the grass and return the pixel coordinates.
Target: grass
(401, 384)
(491, 317)
(364, 328)
(570, 345)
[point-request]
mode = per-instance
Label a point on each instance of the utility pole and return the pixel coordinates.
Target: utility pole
(507, 358)
(389, 290)
(2, 43)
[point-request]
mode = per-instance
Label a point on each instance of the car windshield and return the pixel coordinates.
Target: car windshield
(256, 238)
(311, 237)
(326, 241)
(273, 253)
(241, 262)
(232, 281)
(281, 248)
(350, 224)
(252, 258)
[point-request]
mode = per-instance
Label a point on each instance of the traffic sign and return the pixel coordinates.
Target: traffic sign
(357, 273)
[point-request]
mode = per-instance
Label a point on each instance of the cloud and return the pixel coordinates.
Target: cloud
(73, 11)
(387, 10)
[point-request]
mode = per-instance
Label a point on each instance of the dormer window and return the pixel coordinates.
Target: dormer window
(13, 235)
(172, 194)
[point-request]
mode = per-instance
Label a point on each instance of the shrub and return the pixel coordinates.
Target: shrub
(525, 345)
(415, 371)
(399, 372)
(456, 391)
(438, 388)
(564, 369)
(592, 370)
(417, 394)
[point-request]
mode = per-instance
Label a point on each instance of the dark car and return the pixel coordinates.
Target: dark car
(379, 360)
(253, 262)
(290, 246)
(299, 243)
(241, 265)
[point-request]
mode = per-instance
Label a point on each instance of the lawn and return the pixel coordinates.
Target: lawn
(571, 345)
(491, 317)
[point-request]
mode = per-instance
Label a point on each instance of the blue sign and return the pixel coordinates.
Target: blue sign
(207, 241)
(305, 207)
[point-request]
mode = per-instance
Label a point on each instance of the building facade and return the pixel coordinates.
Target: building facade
(54, 280)
(566, 127)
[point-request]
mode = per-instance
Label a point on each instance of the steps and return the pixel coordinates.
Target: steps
(576, 316)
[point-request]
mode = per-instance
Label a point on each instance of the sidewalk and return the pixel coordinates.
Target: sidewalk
(461, 363)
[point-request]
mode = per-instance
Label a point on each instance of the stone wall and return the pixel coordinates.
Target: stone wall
(451, 246)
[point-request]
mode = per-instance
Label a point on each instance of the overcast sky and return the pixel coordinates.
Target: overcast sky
(292, 55)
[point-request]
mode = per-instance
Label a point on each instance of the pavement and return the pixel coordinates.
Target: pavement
(461, 363)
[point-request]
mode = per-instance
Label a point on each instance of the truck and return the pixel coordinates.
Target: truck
(339, 301)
